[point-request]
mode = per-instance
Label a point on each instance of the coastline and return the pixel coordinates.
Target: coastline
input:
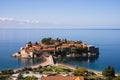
(48, 62)
(44, 63)
(98, 73)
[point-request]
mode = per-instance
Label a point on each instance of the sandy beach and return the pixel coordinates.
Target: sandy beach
(45, 63)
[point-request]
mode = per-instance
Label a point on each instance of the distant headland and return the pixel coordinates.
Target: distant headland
(57, 48)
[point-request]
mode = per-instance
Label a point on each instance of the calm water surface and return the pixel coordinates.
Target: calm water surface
(108, 42)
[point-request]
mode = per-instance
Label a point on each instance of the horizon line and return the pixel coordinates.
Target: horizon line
(62, 28)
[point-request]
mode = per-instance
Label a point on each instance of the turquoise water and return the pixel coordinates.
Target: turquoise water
(108, 42)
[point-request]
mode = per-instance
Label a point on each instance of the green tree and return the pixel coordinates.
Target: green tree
(30, 78)
(80, 49)
(7, 72)
(40, 69)
(80, 72)
(58, 40)
(79, 42)
(108, 72)
(36, 43)
(29, 44)
(65, 41)
(4, 77)
(47, 41)
(20, 77)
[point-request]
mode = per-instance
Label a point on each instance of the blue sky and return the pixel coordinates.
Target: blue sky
(59, 13)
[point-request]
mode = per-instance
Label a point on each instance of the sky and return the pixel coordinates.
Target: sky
(59, 13)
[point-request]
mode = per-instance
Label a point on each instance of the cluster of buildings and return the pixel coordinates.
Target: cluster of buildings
(32, 50)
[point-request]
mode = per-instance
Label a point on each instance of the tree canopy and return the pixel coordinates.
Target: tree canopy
(20, 77)
(80, 72)
(46, 41)
(30, 78)
(108, 72)
(29, 44)
(7, 71)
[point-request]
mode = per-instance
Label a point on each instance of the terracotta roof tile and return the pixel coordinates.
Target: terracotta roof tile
(62, 78)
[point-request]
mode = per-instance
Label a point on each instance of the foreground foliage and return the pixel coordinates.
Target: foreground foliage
(30, 78)
(80, 72)
(108, 72)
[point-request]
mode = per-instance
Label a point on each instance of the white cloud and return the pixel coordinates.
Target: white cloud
(12, 20)
(29, 22)
(6, 22)
(6, 19)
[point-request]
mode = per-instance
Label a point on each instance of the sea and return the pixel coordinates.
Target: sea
(107, 40)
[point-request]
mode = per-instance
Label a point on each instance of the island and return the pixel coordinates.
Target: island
(57, 48)
(49, 49)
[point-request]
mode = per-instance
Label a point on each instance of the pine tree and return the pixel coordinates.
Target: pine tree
(20, 77)
(108, 72)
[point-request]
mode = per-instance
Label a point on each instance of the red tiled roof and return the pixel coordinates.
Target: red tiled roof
(43, 47)
(58, 77)
(49, 49)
